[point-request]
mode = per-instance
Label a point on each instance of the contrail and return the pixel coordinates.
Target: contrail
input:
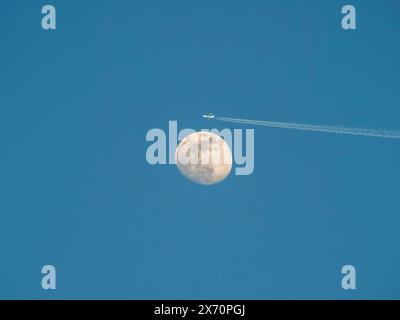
(378, 133)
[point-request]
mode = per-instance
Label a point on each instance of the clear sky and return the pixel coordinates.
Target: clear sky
(76, 190)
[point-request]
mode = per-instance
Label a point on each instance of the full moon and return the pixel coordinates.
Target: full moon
(204, 158)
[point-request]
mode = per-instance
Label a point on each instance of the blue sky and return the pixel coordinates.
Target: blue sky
(76, 190)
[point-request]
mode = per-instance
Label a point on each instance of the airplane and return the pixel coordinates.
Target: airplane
(209, 116)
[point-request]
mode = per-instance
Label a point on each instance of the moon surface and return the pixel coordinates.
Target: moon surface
(204, 158)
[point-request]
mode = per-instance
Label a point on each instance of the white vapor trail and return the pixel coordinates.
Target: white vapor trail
(378, 133)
